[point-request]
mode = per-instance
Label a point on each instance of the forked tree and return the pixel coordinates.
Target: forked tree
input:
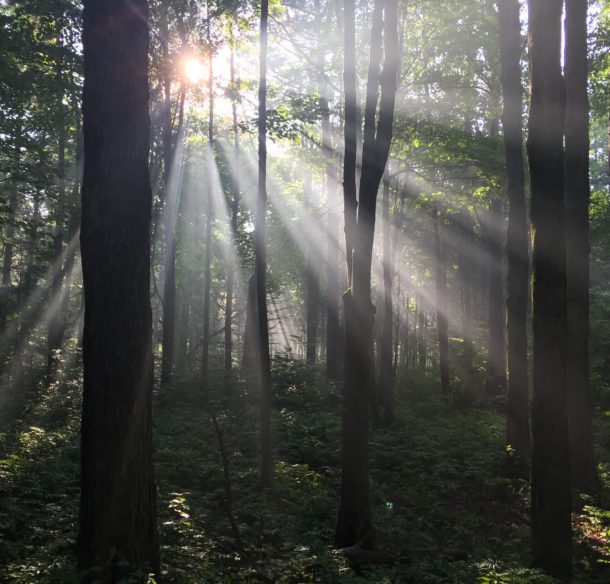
(354, 526)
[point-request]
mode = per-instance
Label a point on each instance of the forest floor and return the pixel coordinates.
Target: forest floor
(443, 507)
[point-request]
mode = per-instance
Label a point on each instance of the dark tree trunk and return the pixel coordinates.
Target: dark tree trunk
(551, 505)
(495, 376)
(583, 469)
(386, 378)
(312, 295)
(171, 204)
(7, 257)
(517, 282)
(250, 357)
(354, 525)
(313, 309)
(117, 513)
(441, 305)
(260, 245)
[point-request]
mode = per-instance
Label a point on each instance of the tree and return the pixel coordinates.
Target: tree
(354, 525)
(117, 514)
(518, 427)
(551, 506)
(386, 373)
(261, 260)
(441, 301)
(583, 469)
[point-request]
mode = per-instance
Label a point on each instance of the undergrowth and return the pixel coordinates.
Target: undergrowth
(443, 506)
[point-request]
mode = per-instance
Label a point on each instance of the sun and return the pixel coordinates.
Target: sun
(194, 71)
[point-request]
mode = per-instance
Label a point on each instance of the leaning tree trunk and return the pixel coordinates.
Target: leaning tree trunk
(551, 505)
(583, 470)
(354, 525)
(260, 245)
(118, 528)
(517, 281)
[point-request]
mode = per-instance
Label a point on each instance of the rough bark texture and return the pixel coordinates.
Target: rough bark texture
(517, 283)
(551, 506)
(583, 469)
(261, 261)
(117, 513)
(354, 526)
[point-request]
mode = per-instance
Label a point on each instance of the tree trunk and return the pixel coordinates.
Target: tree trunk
(332, 260)
(466, 275)
(169, 267)
(251, 357)
(313, 309)
(421, 337)
(551, 506)
(54, 327)
(354, 525)
(583, 470)
(386, 378)
(7, 258)
(207, 269)
(495, 376)
(232, 267)
(517, 283)
(441, 305)
(260, 245)
(117, 513)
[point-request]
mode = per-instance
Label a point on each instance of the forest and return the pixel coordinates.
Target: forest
(305, 291)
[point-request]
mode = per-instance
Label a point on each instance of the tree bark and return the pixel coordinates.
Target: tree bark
(583, 470)
(354, 525)
(551, 505)
(260, 245)
(117, 512)
(495, 377)
(171, 203)
(517, 282)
